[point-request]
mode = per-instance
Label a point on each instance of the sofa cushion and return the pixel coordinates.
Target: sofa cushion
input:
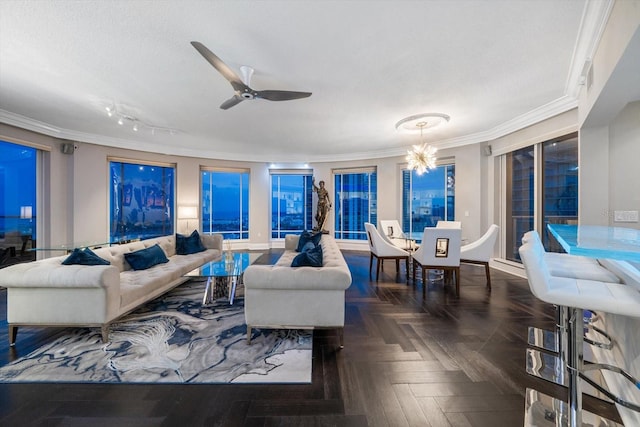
(84, 257)
(186, 245)
(146, 258)
(307, 236)
(309, 258)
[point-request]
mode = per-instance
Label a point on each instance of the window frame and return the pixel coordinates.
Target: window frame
(169, 203)
(243, 234)
(305, 174)
(372, 206)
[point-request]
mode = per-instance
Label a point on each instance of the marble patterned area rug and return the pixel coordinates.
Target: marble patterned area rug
(173, 339)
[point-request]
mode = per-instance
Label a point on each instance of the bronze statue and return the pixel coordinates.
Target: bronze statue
(324, 206)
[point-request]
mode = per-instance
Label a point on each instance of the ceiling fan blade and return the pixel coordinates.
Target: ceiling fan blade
(236, 99)
(219, 65)
(281, 95)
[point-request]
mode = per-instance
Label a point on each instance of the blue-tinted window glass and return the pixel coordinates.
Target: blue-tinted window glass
(142, 201)
(225, 203)
(355, 204)
(559, 187)
(18, 208)
(291, 204)
(427, 198)
(520, 199)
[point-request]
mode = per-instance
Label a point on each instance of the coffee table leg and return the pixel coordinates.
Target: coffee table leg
(232, 292)
(207, 291)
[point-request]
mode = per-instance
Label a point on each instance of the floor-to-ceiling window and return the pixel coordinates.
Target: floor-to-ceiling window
(291, 202)
(427, 198)
(559, 186)
(141, 200)
(551, 166)
(225, 202)
(355, 202)
(17, 203)
(520, 199)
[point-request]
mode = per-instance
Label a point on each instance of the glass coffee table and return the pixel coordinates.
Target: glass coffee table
(224, 275)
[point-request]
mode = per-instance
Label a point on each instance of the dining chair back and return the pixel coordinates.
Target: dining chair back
(480, 251)
(381, 250)
(448, 224)
(439, 250)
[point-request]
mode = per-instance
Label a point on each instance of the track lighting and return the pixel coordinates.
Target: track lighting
(136, 124)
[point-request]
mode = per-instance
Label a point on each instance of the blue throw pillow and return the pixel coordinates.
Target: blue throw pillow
(310, 258)
(307, 236)
(84, 257)
(186, 245)
(146, 258)
(308, 246)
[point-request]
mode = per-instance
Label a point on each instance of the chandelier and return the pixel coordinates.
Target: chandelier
(421, 157)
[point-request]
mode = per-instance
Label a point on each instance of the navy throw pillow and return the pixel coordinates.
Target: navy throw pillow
(146, 258)
(307, 236)
(310, 258)
(308, 246)
(84, 257)
(191, 244)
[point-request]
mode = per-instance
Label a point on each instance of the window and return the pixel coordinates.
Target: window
(225, 203)
(17, 203)
(291, 203)
(142, 200)
(355, 202)
(557, 201)
(520, 199)
(427, 198)
(559, 186)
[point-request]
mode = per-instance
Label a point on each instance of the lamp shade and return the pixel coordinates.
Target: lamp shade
(26, 212)
(187, 212)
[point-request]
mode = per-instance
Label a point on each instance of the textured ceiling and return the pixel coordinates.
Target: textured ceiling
(493, 66)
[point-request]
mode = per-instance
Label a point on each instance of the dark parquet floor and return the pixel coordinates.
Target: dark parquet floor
(413, 356)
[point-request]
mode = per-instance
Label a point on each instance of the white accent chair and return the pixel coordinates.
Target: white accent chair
(480, 251)
(440, 250)
(449, 224)
(381, 250)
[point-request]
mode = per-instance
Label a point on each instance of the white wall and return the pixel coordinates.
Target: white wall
(624, 163)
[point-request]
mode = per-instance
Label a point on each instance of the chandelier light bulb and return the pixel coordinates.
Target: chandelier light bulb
(120, 121)
(422, 158)
(109, 111)
(135, 127)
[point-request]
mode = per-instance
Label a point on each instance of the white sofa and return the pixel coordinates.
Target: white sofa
(48, 293)
(283, 297)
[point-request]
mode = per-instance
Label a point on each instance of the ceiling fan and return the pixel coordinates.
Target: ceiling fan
(241, 85)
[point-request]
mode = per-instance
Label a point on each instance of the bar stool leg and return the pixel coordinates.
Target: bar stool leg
(574, 366)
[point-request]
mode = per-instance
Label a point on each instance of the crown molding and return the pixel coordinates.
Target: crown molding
(539, 114)
(592, 25)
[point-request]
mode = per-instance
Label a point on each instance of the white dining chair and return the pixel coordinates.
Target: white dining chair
(480, 251)
(448, 224)
(392, 232)
(440, 250)
(380, 249)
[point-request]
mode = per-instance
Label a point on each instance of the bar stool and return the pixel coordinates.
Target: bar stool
(577, 295)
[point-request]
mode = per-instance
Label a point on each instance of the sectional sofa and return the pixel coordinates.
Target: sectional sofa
(49, 293)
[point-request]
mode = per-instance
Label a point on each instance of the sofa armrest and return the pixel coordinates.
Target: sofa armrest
(212, 241)
(298, 278)
(291, 242)
(52, 275)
